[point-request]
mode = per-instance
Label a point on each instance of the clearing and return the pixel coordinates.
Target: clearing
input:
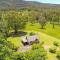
(47, 39)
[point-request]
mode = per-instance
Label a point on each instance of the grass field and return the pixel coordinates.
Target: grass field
(48, 29)
(16, 41)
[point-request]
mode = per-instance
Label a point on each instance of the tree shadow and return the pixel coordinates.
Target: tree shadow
(43, 28)
(18, 34)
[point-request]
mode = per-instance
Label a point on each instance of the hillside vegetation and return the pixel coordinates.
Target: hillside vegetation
(43, 22)
(18, 4)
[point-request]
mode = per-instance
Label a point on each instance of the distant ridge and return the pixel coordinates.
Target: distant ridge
(17, 4)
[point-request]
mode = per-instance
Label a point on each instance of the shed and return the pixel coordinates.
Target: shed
(28, 40)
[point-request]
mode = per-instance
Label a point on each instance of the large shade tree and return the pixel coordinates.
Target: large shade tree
(4, 26)
(16, 21)
(42, 21)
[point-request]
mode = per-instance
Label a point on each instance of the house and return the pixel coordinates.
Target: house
(29, 40)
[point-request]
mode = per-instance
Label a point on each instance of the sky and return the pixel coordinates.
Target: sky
(47, 1)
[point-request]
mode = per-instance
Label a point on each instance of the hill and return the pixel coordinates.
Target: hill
(5, 4)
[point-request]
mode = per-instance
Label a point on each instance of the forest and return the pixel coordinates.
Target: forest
(43, 22)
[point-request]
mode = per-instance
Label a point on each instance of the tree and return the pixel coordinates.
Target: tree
(33, 16)
(5, 51)
(42, 21)
(54, 19)
(4, 27)
(16, 22)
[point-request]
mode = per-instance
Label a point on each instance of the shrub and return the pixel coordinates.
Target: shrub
(52, 49)
(36, 54)
(36, 46)
(11, 45)
(58, 55)
(56, 43)
(42, 42)
(18, 56)
(32, 33)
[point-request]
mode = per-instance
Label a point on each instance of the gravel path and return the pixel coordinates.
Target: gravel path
(24, 48)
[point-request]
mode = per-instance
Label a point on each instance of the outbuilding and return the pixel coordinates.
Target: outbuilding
(29, 40)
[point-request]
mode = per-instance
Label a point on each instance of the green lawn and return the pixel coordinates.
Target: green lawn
(16, 41)
(53, 32)
(48, 29)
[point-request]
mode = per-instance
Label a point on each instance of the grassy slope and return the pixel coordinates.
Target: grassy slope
(16, 41)
(49, 37)
(53, 32)
(48, 40)
(49, 30)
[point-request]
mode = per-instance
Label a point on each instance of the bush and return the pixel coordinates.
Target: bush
(32, 33)
(36, 54)
(58, 55)
(42, 42)
(52, 49)
(11, 45)
(56, 43)
(18, 56)
(21, 56)
(36, 46)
